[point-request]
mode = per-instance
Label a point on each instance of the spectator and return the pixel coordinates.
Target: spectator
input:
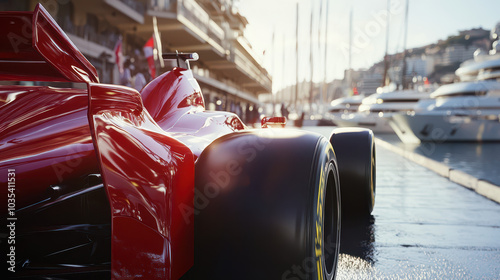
(126, 77)
(139, 81)
(284, 111)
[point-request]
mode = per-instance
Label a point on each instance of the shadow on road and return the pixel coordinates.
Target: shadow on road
(357, 238)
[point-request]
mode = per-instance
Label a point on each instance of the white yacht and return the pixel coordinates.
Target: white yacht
(465, 111)
(375, 109)
(483, 66)
(492, 70)
(344, 105)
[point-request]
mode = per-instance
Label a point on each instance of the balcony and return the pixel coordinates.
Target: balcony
(135, 5)
(213, 7)
(242, 66)
(122, 14)
(189, 28)
(87, 39)
(163, 6)
(226, 87)
(131, 8)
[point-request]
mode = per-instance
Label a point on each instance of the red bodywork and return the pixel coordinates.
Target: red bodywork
(144, 145)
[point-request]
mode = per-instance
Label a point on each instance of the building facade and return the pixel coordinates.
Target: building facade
(457, 54)
(228, 70)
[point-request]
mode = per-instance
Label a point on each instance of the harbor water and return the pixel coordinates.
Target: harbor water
(480, 160)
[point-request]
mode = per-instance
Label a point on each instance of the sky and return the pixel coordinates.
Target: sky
(428, 21)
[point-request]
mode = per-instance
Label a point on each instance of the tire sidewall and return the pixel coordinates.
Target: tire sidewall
(324, 245)
(355, 151)
(262, 223)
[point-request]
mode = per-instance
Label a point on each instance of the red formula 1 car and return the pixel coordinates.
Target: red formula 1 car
(102, 181)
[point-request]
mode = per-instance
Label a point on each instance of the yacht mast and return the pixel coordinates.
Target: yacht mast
(349, 71)
(296, 58)
(403, 70)
(386, 56)
(283, 74)
(311, 83)
(320, 21)
(273, 57)
(326, 61)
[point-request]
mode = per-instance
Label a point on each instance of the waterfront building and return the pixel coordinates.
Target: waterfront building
(229, 71)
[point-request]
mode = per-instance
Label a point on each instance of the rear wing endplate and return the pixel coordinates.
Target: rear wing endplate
(35, 48)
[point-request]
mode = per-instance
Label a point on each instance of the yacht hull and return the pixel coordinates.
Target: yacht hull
(371, 121)
(445, 128)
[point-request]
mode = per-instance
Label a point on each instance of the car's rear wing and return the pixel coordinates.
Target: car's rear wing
(34, 48)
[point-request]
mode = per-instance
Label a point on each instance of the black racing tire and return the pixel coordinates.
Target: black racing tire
(355, 152)
(267, 206)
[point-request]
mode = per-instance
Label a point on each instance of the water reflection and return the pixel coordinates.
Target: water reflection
(480, 160)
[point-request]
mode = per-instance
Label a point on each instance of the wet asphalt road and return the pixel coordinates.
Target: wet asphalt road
(423, 227)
